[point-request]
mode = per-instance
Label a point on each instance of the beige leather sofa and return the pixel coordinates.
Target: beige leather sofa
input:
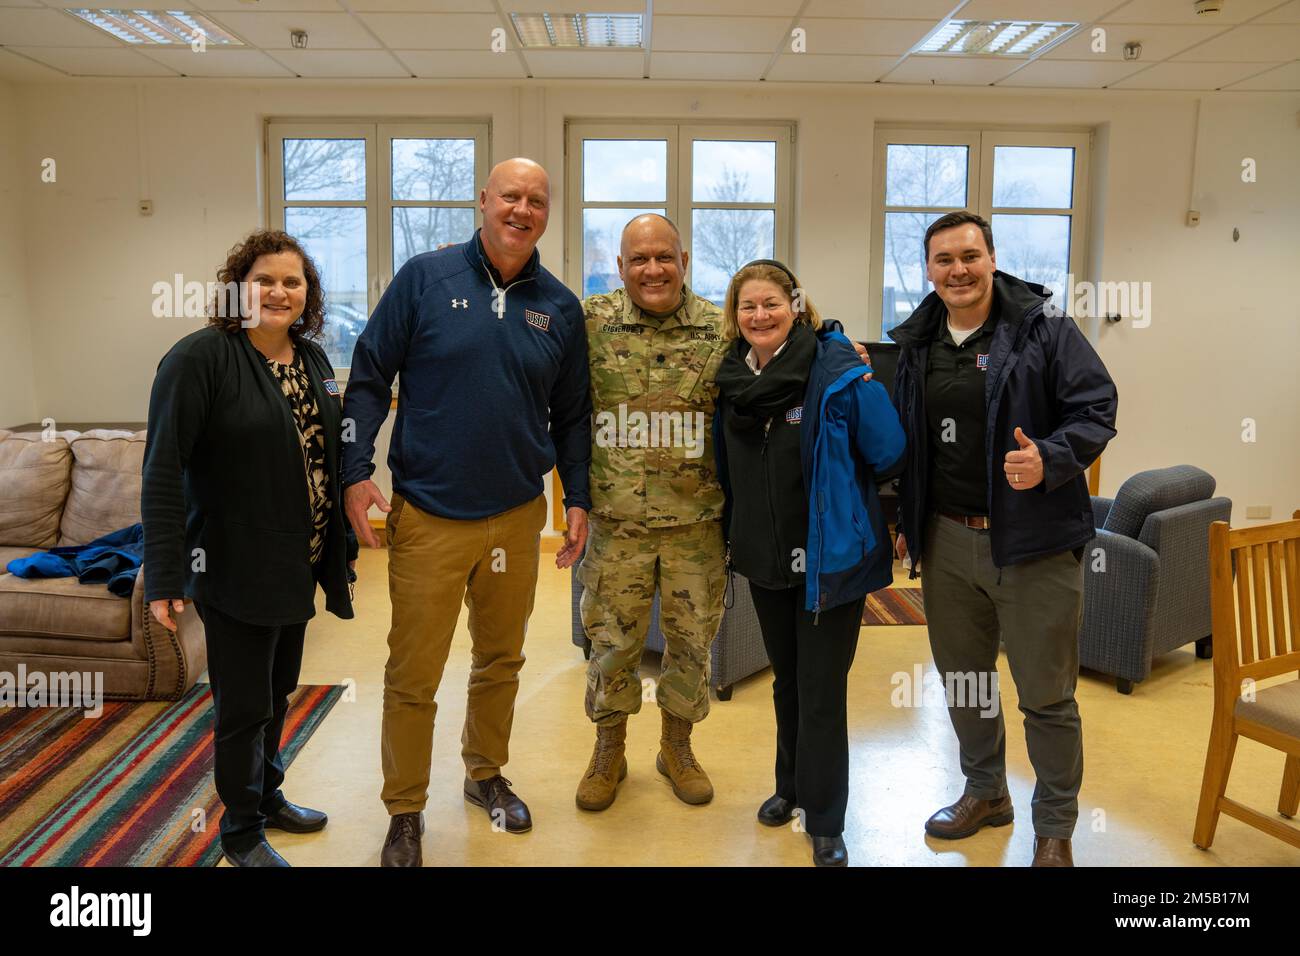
(69, 488)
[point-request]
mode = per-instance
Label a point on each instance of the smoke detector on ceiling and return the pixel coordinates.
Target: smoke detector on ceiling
(1206, 8)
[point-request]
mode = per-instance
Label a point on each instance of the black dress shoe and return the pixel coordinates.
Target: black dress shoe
(830, 851)
(259, 854)
(775, 811)
(494, 796)
(402, 844)
(292, 818)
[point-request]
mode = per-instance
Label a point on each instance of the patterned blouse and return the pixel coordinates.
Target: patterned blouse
(296, 385)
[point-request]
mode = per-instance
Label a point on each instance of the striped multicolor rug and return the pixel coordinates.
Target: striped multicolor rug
(126, 788)
(894, 606)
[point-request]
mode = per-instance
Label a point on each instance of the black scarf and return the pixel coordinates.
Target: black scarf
(756, 398)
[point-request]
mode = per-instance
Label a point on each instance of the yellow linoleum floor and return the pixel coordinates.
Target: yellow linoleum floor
(1143, 760)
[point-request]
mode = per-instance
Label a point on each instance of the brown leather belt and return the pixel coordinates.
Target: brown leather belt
(978, 522)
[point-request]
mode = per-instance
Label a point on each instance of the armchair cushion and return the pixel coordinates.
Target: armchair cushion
(1156, 490)
(1119, 605)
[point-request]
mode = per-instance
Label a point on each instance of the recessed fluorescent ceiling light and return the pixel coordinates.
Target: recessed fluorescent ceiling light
(578, 29)
(157, 26)
(994, 37)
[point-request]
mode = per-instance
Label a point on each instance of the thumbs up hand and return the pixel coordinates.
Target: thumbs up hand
(1024, 468)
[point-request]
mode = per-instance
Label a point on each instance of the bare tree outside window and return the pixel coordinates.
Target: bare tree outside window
(723, 240)
(423, 171)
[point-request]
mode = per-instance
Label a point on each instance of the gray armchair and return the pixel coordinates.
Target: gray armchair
(1154, 593)
(737, 651)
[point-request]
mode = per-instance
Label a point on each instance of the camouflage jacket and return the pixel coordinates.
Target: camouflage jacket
(653, 395)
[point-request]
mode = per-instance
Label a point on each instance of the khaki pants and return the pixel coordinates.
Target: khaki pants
(625, 562)
(434, 563)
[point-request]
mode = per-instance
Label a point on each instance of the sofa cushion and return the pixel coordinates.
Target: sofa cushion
(105, 494)
(1277, 707)
(34, 482)
(1156, 490)
(60, 607)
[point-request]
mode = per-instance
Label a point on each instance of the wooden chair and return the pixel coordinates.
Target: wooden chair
(1255, 637)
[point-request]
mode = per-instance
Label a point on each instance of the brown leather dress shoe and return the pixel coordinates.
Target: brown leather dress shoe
(969, 815)
(495, 796)
(1052, 851)
(402, 845)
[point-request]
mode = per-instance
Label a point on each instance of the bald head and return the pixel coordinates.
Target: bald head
(511, 170)
(516, 204)
(652, 263)
(652, 225)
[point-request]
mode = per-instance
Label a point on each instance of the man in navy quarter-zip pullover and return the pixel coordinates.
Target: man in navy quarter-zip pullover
(493, 393)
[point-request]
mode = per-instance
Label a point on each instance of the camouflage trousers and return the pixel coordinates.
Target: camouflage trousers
(625, 562)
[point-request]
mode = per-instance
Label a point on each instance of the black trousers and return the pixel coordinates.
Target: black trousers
(810, 667)
(253, 669)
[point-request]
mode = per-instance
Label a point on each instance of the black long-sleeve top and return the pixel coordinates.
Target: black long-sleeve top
(224, 499)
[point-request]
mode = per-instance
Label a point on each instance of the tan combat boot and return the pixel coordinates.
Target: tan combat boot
(676, 762)
(607, 768)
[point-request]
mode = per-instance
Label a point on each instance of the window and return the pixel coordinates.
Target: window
(726, 187)
(1029, 186)
(363, 198)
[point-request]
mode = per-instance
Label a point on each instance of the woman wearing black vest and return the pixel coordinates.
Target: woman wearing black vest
(801, 440)
(241, 510)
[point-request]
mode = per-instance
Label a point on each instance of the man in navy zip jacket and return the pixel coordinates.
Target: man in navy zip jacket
(492, 353)
(1005, 405)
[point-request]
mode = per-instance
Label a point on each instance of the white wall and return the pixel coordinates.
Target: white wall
(17, 386)
(1221, 345)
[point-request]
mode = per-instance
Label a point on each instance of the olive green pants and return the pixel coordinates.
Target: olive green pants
(624, 564)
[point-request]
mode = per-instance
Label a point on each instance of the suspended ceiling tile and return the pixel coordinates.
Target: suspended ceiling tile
(1158, 42)
(719, 34)
(714, 66)
(1282, 78)
(1083, 74)
(865, 37)
(586, 64)
(1248, 44)
(826, 68)
(218, 62)
(341, 63)
(954, 70)
(93, 61)
(436, 31)
(1189, 76)
(462, 64)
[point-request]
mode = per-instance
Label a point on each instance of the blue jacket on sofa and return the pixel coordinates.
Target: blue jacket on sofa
(113, 560)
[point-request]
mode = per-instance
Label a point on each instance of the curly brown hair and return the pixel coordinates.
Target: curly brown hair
(239, 263)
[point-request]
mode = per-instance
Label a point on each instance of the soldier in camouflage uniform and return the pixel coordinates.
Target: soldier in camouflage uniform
(654, 348)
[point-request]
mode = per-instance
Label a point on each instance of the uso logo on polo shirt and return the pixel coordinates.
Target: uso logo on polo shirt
(794, 416)
(537, 320)
(982, 362)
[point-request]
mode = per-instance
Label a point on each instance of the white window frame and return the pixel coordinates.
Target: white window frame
(980, 143)
(679, 202)
(378, 201)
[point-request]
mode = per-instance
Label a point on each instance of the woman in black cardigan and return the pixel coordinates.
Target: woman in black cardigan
(242, 513)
